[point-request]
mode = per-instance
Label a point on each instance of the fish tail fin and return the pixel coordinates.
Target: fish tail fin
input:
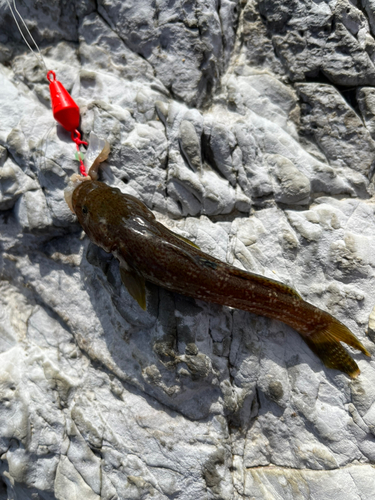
(325, 343)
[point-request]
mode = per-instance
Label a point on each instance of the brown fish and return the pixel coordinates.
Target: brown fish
(148, 251)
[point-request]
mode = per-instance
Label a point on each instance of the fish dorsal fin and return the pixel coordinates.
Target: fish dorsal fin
(186, 240)
(267, 282)
(135, 285)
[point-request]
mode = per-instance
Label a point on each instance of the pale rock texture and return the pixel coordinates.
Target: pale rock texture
(248, 127)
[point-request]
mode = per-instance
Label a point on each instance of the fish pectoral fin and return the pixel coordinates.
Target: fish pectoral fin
(135, 285)
(186, 240)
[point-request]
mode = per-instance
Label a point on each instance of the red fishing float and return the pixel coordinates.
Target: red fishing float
(66, 112)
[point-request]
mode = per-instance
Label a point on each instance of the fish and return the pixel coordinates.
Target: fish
(148, 251)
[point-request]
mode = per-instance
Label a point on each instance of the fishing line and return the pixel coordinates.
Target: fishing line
(39, 55)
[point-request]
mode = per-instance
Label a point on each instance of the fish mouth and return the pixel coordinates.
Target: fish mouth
(96, 153)
(75, 181)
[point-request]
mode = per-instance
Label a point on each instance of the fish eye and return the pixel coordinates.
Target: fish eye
(84, 210)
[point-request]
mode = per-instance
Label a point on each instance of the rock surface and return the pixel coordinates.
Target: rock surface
(248, 127)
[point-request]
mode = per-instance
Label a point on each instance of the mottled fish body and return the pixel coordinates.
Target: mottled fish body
(148, 251)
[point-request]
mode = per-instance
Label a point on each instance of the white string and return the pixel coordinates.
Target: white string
(39, 55)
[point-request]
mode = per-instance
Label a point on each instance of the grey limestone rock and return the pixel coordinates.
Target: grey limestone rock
(190, 145)
(31, 211)
(248, 128)
(328, 38)
(13, 182)
(188, 44)
(366, 103)
(323, 113)
(46, 22)
(292, 187)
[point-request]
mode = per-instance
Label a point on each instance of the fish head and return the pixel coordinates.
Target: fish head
(95, 205)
